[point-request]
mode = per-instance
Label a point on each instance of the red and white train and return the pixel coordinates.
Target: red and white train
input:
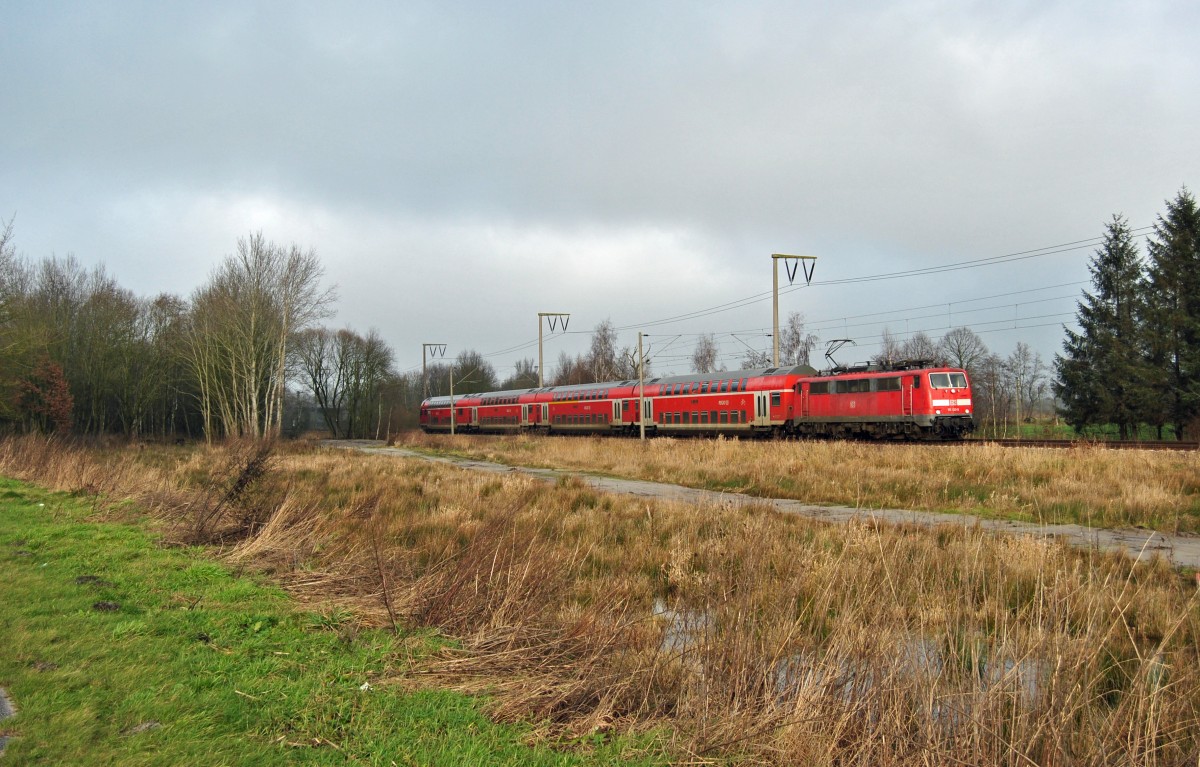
(907, 400)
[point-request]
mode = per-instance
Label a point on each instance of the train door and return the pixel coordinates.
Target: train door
(525, 415)
(648, 411)
(616, 416)
(475, 417)
(762, 414)
(802, 392)
(906, 395)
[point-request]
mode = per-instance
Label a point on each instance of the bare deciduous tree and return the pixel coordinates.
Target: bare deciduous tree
(1027, 374)
(919, 347)
(602, 356)
(795, 345)
(240, 325)
(524, 375)
(962, 348)
(704, 358)
(889, 347)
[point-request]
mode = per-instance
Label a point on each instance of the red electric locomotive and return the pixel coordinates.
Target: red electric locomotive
(911, 400)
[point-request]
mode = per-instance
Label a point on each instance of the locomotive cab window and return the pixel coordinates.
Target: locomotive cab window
(948, 380)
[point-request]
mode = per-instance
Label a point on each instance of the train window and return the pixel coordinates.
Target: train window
(724, 386)
(743, 386)
(774, 399)
(735, 416)
(704, 388)
(818, 387)
(724, 416)
(916, 382)
(887, 384)
(947, 380)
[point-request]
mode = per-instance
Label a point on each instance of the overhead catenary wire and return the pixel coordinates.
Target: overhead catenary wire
(900, 274)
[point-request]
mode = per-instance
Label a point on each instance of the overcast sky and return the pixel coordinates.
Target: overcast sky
(460, 167)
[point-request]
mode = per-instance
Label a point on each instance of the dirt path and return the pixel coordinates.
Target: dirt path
(1182, 550)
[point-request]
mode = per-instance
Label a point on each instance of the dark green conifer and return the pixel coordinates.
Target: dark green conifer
(1102, 373)
(1173, 311)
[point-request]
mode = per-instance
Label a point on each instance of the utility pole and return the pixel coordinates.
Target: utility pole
(808, 272)
(555, 318)
(439, 350)
(641, 387)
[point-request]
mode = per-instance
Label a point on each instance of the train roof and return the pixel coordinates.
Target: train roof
(803, 370)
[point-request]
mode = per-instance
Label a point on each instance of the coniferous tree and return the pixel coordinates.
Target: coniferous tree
(1102, 374)
(1173, 310)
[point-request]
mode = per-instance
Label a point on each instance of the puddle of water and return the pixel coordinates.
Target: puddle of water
(958, 678)
(683, 629)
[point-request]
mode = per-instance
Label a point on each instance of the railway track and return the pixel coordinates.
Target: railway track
(1103, 444)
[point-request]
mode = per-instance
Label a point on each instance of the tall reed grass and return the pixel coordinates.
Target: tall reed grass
(745, 635)
(1084, 485)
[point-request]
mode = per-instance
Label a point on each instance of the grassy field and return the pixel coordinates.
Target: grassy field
(741, 636)
(119, 651)
(1089, 486)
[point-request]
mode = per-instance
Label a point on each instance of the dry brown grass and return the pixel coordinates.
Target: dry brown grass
(1085, 485)
(749, 636)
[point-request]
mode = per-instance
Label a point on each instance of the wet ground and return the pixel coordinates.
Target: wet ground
(1182, 550)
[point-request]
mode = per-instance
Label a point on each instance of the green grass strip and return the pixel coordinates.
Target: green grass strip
(117, 650)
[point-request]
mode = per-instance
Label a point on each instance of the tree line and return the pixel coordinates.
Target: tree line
(1135, 360)
(80, 353)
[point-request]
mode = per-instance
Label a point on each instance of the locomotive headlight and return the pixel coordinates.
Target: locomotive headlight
(937, 412)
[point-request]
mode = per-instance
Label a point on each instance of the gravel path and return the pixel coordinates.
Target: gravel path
(1183, 550)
